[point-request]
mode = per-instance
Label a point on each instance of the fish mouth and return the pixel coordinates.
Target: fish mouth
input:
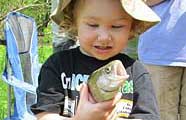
(114, 80)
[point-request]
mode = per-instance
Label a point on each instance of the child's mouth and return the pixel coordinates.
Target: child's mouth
(103, 47)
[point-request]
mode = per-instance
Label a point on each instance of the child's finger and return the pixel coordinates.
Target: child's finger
(81, 86)
(117, 98)
(91, 99)
(83, 92)
(106, 105)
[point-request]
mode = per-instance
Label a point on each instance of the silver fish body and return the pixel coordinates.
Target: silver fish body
(105, 82)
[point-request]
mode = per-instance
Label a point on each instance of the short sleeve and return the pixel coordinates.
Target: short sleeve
(145, 103)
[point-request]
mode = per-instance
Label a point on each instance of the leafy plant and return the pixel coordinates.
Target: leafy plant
(38, 9)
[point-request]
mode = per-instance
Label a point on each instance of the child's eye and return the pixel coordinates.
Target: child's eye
(93, 25)
(117, 26)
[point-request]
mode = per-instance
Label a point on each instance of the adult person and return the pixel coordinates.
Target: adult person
(162, 49)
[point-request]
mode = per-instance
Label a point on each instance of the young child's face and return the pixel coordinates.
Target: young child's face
(103, 28)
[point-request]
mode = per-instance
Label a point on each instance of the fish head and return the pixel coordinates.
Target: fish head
(112, 76)
(104, 83)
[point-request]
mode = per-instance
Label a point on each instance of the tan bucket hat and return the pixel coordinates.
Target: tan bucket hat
(143, 15)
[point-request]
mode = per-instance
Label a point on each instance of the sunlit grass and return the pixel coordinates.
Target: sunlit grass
(3, 86)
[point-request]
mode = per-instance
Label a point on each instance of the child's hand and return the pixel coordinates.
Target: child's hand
(88, 109)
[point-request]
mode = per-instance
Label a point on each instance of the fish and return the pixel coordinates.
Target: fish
(105, 82)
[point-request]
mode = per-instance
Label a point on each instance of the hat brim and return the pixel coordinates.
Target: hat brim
(139, 10)
(57, 14)
(143, 15)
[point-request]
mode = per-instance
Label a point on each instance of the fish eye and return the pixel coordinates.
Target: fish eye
(108, 70)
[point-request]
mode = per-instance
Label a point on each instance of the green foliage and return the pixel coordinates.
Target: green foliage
(3, 86)
(47, 37)
(38, 9)
(44, 53)
(132, 48)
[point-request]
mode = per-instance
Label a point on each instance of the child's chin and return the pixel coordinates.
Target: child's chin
(103, 57)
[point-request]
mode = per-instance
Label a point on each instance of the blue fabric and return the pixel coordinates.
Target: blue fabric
(165, 43)
(15, 76)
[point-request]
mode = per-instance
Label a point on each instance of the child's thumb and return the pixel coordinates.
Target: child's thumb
(84, 92)
(117, 98)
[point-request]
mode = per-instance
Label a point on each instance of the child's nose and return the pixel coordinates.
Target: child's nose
(104, 34)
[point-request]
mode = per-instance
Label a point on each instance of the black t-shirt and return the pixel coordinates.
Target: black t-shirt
(63, 72)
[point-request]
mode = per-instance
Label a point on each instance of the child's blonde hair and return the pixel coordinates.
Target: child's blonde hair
(66, 18)
(69, 16)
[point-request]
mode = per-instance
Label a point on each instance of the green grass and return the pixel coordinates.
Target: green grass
(3, 86)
